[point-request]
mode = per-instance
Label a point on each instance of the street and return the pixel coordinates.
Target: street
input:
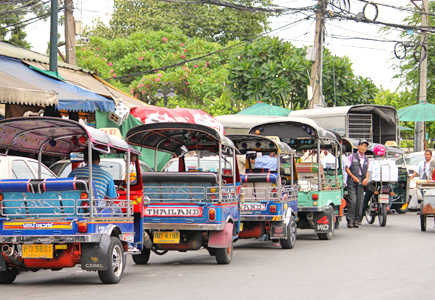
(394, 262)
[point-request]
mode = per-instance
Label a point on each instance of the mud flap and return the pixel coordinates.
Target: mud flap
(94, 256)
(278, 230)
(221, 239)
(3, 266)
(323, 221)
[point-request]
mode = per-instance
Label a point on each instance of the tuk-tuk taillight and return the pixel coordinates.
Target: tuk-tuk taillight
(212, 214)
(315, 196)
(272, 208)
(82, 226)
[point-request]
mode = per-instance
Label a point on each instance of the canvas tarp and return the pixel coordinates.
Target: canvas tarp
(102, 121)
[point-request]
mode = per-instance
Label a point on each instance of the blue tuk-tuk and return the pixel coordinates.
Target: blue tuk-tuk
(196, 206)
(268, 189)
(57, 223)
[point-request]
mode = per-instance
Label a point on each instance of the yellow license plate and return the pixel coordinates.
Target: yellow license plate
(166, 237)
(38, 251)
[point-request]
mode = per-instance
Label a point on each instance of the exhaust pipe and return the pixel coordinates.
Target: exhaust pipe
(147, 241)
(12, 256)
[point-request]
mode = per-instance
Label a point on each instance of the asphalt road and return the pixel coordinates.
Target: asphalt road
(394, 262)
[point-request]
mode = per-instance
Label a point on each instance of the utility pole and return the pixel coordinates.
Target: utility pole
(53, 36)
(317, 67)
(70, 37)
(422, 98)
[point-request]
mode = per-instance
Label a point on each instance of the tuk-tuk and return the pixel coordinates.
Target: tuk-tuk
(57, 223)
(198, 206)
(320, 196)
(269, 195)
(427, 206)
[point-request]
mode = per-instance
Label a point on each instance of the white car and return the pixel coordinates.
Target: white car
(410, 162)
(115, 166)
(17, 167)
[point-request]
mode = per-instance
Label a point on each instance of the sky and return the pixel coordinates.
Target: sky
(372, 59)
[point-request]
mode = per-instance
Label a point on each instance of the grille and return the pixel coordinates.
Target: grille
(360, 127)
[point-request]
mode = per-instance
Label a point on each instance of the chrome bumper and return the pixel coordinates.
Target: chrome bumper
(312, 209)
(176, 226)
(51, 239)
(261, 218)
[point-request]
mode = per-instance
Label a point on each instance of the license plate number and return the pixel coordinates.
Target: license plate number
(383, 198)
(38, 251)
(166, 237)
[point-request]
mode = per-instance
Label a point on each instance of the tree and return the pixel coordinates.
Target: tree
(12, 19)
(126, 63)
(195, 19)
(277, 72)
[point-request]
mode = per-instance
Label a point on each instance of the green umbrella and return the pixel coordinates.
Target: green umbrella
(264, 109)
(421, 112)
(403, 128)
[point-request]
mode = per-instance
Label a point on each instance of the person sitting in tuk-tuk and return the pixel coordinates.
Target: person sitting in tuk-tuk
(328, 162)
(267, 161)
(103, 181)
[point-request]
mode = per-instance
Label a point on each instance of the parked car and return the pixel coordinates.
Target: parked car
(410, 162)
(115, 166)
(18, 167)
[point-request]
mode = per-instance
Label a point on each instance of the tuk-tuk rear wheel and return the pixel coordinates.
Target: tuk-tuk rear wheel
(115, 262)
(290, 241)
(8, 276)
(224, 255)
(328, 235)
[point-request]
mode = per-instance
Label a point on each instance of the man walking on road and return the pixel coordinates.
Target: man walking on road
(357, 166)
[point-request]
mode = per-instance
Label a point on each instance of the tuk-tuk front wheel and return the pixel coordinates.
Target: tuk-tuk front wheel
(115, 262)
(423, 222)
(143, 257)
(8, 276)
(224, 255)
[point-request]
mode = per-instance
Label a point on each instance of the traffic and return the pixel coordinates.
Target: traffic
(280, 176)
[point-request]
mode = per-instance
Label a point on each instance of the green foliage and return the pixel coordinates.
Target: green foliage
(277, 72)
(198, 84)
(196, 20)
(12, 14)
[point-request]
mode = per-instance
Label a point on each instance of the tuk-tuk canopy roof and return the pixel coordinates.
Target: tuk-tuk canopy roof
(247, 142)
(387, 113)
(170, 137)
(56, 136)
(295, 128)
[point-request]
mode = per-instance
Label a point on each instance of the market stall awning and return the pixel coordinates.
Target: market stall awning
(71, 97)
(16, 91)
(156, 114)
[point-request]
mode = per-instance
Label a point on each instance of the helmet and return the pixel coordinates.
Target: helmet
(379, 150)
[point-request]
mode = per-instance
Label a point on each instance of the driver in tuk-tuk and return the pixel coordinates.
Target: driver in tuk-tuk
(103, 181)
